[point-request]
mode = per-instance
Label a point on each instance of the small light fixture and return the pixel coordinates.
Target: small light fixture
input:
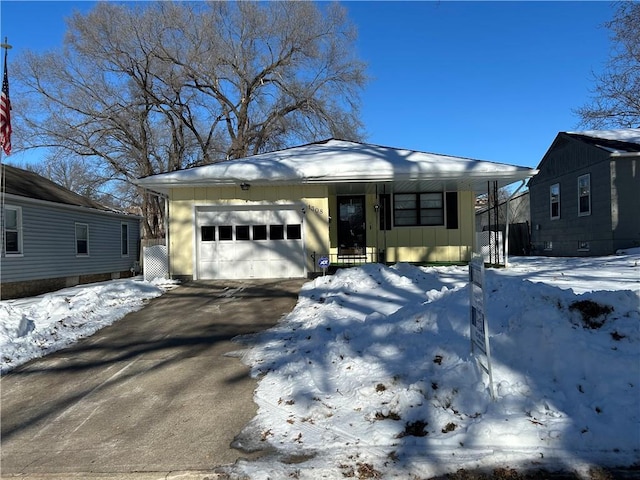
(244, 186)
(303, 210)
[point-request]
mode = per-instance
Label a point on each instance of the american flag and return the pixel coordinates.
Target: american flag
(5, 112)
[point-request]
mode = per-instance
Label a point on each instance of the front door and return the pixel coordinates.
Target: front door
(352, 227)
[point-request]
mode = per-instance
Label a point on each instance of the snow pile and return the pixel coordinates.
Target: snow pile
(371, 375)
(33, 327)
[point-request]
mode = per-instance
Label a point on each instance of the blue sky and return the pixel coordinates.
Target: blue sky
(487, 80)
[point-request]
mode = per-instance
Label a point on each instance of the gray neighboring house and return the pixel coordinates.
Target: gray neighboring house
(53, 238)
(585, 200)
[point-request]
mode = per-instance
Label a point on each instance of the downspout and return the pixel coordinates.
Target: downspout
(506, 227)
(166, 234)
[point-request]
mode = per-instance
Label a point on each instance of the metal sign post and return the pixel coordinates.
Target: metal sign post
(479, 326)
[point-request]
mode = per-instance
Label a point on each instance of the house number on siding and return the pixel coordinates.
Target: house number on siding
(315, 210)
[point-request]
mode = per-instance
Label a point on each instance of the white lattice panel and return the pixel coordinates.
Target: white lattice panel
(486, 245)
(156, 262)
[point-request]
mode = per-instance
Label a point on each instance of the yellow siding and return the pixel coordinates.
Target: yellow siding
(419, 244)
(316, 226)
(402, 244)
(183, 202)
(181, 231)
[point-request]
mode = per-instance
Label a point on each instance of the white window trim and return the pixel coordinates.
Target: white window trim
(77, 224)
(551, 202)
(20, 252)
(587, 213)
(124, 255)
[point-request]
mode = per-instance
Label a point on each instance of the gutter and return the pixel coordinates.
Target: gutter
(624, 154)
(68, 206)
(415, 177)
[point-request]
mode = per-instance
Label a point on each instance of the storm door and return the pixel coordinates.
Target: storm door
(351, 229)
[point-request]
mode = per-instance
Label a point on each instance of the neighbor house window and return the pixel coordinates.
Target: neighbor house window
(584, 195)
(548, 245)
(554, 194)
(124, 239)
(82, 239)
(12, 230)
(418, 209)
(583, 246)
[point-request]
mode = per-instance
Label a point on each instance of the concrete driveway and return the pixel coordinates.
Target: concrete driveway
(152, 396)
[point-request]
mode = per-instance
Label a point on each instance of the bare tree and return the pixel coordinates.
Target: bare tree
(616, 99)
(88, 177)
(165, 86)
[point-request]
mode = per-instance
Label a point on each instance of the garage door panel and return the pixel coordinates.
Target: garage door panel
(250, 243)
(207, 250)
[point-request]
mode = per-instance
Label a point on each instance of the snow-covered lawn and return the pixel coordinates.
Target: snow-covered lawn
(371, 376)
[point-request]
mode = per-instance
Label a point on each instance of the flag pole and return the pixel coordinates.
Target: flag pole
(5, 132)
(5, 136)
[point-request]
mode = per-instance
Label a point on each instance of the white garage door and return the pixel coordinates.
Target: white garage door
(250, 243)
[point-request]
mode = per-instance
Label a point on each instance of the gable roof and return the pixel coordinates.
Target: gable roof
(625, 140)
(23, 183)
(338, 161)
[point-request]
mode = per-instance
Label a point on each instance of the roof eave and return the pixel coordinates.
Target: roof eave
(505, 178)
(68, 206)
(624, 154)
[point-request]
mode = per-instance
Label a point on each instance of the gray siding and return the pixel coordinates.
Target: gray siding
(49, 248)
(625, 202)
(566, 160)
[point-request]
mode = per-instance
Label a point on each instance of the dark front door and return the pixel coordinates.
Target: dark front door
(351, 230)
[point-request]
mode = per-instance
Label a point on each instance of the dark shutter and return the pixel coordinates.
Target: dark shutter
(452, 210)
(385, 211)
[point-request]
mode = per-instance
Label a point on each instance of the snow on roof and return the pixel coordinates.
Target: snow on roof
(30, 185)
(627, 135)
(339, 161)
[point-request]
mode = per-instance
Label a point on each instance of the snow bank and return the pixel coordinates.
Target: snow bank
(371, 373)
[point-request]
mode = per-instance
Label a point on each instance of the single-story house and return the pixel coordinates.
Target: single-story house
(586, 199)
(53, 238)
(274, 215)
